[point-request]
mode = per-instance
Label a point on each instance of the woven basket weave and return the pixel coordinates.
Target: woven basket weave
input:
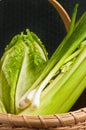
(73, 120)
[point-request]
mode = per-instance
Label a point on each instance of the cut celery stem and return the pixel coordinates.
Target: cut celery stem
(48, 78)
(36, 100)
(36, 97)
(61, 53)
(63, 87)
(65, 49)
(73, 97)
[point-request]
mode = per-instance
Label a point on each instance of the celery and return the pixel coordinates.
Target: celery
(73, 97)
(59, 93)
(69, 45)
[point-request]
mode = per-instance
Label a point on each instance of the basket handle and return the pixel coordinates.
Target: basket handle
(62, 12)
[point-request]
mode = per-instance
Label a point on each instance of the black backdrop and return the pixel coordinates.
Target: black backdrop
(40, 17)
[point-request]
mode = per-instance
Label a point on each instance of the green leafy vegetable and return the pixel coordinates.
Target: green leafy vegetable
(24, 57)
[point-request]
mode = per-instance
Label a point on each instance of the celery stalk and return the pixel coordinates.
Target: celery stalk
(73, 97)
(65, 49)
(55, 95)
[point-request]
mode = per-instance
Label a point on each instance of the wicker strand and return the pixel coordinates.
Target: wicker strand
(74, 116)
(26, 122)
(43, 123)
(59, 119)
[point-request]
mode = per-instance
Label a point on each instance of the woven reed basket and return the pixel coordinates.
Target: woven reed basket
(73, 120)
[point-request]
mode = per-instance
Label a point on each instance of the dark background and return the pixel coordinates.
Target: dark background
(40, 17)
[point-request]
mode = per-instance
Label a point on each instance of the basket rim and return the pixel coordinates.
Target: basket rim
(47, 121)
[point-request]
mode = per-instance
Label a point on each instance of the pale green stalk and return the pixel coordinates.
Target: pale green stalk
(53, 98)
(68, 45)
(64, 78)
(73, 97)
(36, 101)
(72, 43)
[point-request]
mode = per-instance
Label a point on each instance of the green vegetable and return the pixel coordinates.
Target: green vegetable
(63, 91)
(57, 86)
(30, 84)
(24, 57)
